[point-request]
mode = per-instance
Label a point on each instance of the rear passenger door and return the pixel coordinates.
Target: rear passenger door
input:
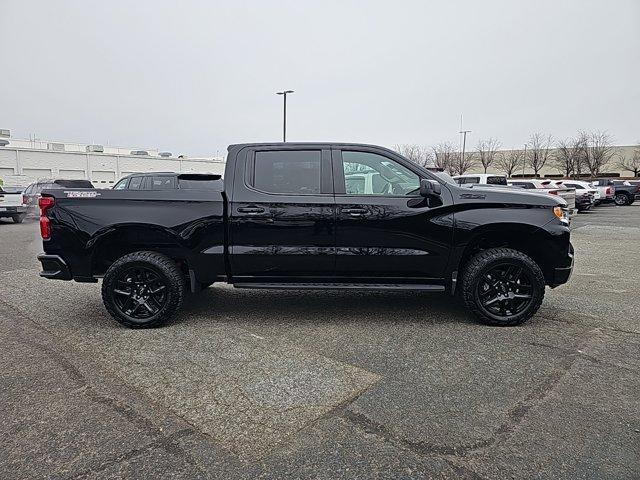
(282, 215)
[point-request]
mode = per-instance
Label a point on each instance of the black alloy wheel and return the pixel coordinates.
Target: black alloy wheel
(143, 289)
(140, 293)
(502, 286)
(505, 290)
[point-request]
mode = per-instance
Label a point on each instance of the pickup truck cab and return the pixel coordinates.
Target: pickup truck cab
(299, 216)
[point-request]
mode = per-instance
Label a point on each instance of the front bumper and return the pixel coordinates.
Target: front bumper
(54, 267)
(562, 274)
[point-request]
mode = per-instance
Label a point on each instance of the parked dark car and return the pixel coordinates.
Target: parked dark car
(310, 216)
(168, 181)
(32, 192)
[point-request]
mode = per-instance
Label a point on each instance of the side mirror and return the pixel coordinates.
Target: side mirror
(430, 188)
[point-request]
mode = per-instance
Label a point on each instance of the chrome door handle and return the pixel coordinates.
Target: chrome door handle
(355, 212)
(251, 210)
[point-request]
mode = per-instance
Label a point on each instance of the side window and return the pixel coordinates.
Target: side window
(134, 183)
(372, 174)
(158, 182)
(461, 181)
(294, 171)
(473, 180)
(28, 190)
(122, 184)
(496, 180)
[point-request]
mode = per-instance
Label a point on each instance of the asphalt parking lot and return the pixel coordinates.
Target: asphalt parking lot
(262, 384)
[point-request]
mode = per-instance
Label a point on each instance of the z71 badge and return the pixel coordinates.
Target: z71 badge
(81, 194)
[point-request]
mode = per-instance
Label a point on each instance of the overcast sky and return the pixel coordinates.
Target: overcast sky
(192, 77)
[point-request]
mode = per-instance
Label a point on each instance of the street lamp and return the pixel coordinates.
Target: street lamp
(464, 143)
(284, 122)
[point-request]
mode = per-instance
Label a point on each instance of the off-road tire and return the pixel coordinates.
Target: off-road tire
(162, 266)
(483, 262)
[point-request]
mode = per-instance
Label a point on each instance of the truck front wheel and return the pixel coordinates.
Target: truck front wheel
(143, 289)
(502, 286)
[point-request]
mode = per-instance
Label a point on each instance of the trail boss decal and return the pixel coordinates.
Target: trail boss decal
(82, 194)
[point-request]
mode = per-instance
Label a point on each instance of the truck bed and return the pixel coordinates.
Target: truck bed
(94, 227)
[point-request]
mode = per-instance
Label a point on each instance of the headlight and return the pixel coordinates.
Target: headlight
(561, 214)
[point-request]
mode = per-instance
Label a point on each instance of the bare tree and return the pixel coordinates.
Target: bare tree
(631, 164)
(445, 157)
(599, 152)
(416, 153)
(569, 156)
(509, 161)
(487, 152)
(465, 163)
(539, 150)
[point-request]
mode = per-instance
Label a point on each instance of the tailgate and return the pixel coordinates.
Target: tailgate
(10, 199)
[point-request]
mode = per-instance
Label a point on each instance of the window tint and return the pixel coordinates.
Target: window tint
(496, 180)
(134, 183)
(73, 184)
(122, 184)
(472, 180)
(372, 174)
(296, 172)
(200, 182)
(157, 182)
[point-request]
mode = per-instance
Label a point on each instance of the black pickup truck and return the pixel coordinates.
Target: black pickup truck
(309, 216)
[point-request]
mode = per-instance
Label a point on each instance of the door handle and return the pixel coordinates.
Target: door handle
(355, 212)
(251, 210)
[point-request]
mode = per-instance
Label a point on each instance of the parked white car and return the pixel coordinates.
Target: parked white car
(549, 187)
(481, 179)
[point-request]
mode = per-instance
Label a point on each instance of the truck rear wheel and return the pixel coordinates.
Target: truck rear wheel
(18, 218)
(143, 289)
(502, 286)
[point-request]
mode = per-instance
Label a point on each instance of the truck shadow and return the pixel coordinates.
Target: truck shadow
(300, 307)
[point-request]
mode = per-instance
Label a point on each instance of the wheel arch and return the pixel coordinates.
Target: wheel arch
(108, 245)
(531, 240)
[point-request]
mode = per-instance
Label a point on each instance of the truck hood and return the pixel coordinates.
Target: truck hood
(506, 195)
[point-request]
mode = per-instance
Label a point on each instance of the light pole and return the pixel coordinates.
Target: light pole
(524, 159)
(284, 121)
(464, 144)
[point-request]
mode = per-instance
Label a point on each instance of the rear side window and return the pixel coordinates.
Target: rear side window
(289, 172)
(200, 182)
(135, 183)
(472, 180)
(160, 182)
(73, 184)
(496, 180)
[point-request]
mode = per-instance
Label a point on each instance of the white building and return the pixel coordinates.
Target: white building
(103, 165)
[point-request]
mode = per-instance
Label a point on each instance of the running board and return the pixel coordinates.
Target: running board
(343, 286)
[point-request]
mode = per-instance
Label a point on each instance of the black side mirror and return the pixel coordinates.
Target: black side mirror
(430, 188)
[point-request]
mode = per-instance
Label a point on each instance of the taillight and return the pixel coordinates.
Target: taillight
(25, 199)
(608, 191)
(553, 192)
(45, 203)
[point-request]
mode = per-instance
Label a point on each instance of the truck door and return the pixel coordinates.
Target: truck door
(282, 216)
(384, 228)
